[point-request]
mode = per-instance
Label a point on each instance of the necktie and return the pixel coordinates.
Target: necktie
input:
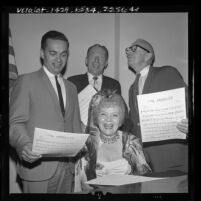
(95, 82)
(136, 90)
(136, 84)
(60, 96)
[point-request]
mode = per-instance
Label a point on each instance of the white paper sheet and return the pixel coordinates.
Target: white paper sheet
(55, 143)
(84, 98)
(118, 180)
(159, 114)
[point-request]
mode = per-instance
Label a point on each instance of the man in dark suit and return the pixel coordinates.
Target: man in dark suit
(38, 101)
(168, 154)
(96, 62)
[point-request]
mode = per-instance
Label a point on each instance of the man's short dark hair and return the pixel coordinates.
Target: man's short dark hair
(55, 35)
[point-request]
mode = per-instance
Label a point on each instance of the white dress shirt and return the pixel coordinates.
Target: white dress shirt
(53, 82)
(143, 77)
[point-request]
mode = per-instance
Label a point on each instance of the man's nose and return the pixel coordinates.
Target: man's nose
(59, 59)
(97, 59)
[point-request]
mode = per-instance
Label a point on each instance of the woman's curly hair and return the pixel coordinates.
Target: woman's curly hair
(105, 98)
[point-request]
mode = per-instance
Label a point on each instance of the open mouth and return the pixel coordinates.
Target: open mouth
(57, 66)
(96, 65)
(106, 126)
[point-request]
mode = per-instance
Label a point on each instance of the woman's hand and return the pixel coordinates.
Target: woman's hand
(99, 166)
(100, 170)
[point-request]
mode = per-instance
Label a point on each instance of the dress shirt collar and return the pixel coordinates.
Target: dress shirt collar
(144, 71)
(90, 76)
(49, 74)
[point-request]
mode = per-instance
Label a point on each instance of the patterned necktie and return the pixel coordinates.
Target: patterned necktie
(95, 82)
(60, 96)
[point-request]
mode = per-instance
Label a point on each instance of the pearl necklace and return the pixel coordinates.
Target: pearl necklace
(109, 139)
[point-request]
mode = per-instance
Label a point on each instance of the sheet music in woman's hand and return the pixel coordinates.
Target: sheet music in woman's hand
(56, 143)
(84, 99)
(159, 114)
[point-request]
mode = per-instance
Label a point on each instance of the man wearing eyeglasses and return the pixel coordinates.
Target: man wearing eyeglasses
(163, 155)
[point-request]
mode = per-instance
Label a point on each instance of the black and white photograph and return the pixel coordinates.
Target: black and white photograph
(100, 102)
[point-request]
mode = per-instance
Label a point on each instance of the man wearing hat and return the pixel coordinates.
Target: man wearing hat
(164, 155)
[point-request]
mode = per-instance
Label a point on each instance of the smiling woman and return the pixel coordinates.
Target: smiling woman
(111, 151)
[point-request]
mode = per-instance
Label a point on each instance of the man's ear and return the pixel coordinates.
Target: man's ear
(106, 64)
(86, 61)
(148, 56)
(42, 54)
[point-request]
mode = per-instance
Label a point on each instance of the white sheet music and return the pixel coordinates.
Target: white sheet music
(84, 99)
(56, 143)
(117, 180)
(159, 114)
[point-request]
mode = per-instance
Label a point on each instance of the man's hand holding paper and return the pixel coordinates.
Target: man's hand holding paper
(160, 113)
(58, 144)
(29, 156)
(183, 126)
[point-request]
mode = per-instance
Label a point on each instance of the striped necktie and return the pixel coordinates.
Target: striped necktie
(60, 96)
(95, 82)
(136, 84)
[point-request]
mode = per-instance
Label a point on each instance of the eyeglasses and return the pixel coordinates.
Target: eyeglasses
(134, 48)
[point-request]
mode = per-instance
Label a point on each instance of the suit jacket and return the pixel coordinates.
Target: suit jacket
(164, 155)
(81, 81)
(34, 103)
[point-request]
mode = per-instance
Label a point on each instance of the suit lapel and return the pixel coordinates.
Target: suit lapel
(103, 83)
(82, 82)
(67, 96)
(85, 80)
(50, 88)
